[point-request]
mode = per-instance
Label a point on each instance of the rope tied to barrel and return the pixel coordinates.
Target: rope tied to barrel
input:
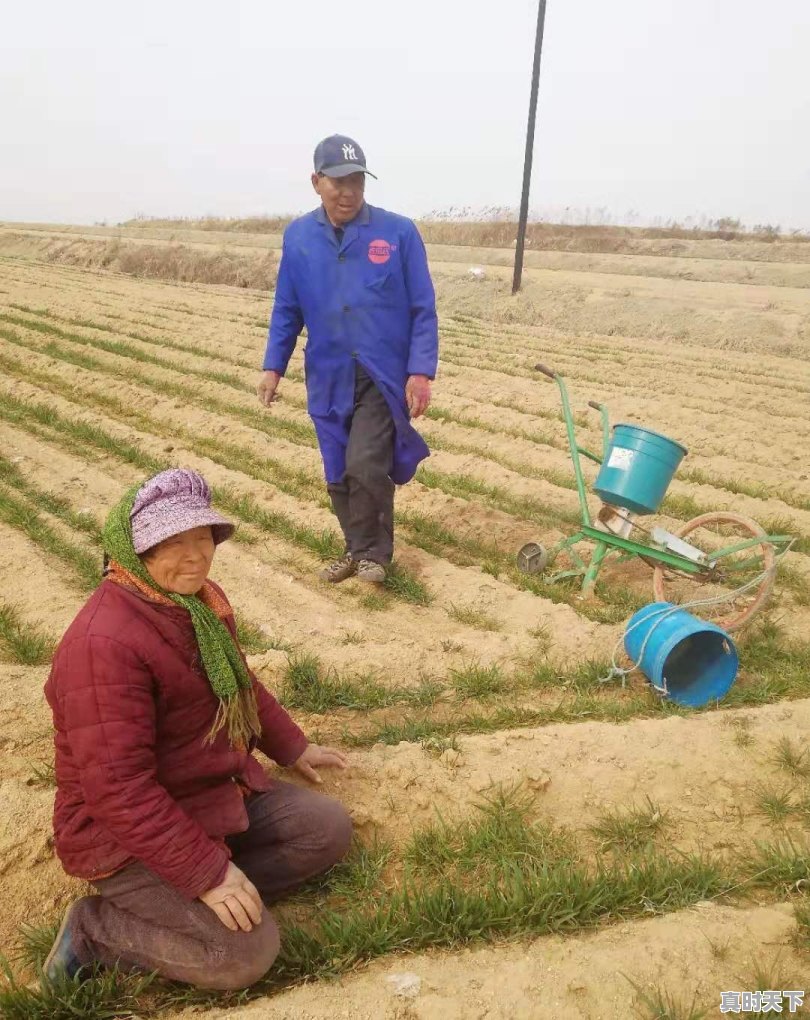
(617, 672)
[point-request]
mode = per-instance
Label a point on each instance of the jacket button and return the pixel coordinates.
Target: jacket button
(341, 258)
(346, 308)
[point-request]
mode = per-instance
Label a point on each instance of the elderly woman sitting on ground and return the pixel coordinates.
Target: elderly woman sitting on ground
(160, 803)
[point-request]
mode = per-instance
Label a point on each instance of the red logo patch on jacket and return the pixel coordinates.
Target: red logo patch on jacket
(379, 252)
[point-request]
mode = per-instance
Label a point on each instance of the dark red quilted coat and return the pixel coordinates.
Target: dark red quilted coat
(135, 779)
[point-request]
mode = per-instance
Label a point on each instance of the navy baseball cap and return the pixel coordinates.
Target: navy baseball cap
(339, 156)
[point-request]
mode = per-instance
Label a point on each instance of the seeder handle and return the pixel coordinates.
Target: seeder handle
(603, 411)
(568, 418)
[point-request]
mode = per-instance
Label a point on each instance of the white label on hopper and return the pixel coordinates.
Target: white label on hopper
(620, 458)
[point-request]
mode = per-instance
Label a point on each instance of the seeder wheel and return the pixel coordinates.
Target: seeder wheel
(712, 532)
(532, 558)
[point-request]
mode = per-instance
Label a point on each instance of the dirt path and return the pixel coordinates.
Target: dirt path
(695, 953)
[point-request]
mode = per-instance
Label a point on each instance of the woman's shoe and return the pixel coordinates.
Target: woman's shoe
(62, 958)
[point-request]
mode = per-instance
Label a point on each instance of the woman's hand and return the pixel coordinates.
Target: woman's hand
(315, 756)
(235, 901)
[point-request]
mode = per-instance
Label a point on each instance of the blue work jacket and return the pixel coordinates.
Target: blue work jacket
(368, 300)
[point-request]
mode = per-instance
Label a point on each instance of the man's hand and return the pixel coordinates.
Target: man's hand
(268, 384)
(318, 756)
(235, 901)
(417, 394)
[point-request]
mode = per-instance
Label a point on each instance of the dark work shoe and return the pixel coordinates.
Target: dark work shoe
(339, 571)
(62, 958)
(371, 572)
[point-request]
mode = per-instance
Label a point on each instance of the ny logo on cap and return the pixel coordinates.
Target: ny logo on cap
(349, 153)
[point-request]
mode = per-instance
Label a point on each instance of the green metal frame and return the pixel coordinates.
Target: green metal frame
(606, 543)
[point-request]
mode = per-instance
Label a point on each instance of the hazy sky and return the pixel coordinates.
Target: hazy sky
(665, 108)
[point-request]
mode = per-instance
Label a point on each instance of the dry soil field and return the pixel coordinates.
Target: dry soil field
(626, 851)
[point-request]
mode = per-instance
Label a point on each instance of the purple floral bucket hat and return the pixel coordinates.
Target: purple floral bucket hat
(174, 501)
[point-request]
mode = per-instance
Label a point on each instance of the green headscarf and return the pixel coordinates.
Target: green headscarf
(223, 664)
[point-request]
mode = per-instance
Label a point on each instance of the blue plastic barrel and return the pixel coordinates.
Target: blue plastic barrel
(694, 660)
(638, 468)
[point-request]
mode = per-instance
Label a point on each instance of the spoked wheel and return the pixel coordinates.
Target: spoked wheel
(710, 533)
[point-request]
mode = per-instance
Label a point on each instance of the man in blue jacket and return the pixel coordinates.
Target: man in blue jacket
(357, 277)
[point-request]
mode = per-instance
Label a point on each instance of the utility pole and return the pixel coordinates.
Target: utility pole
(527, 163)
